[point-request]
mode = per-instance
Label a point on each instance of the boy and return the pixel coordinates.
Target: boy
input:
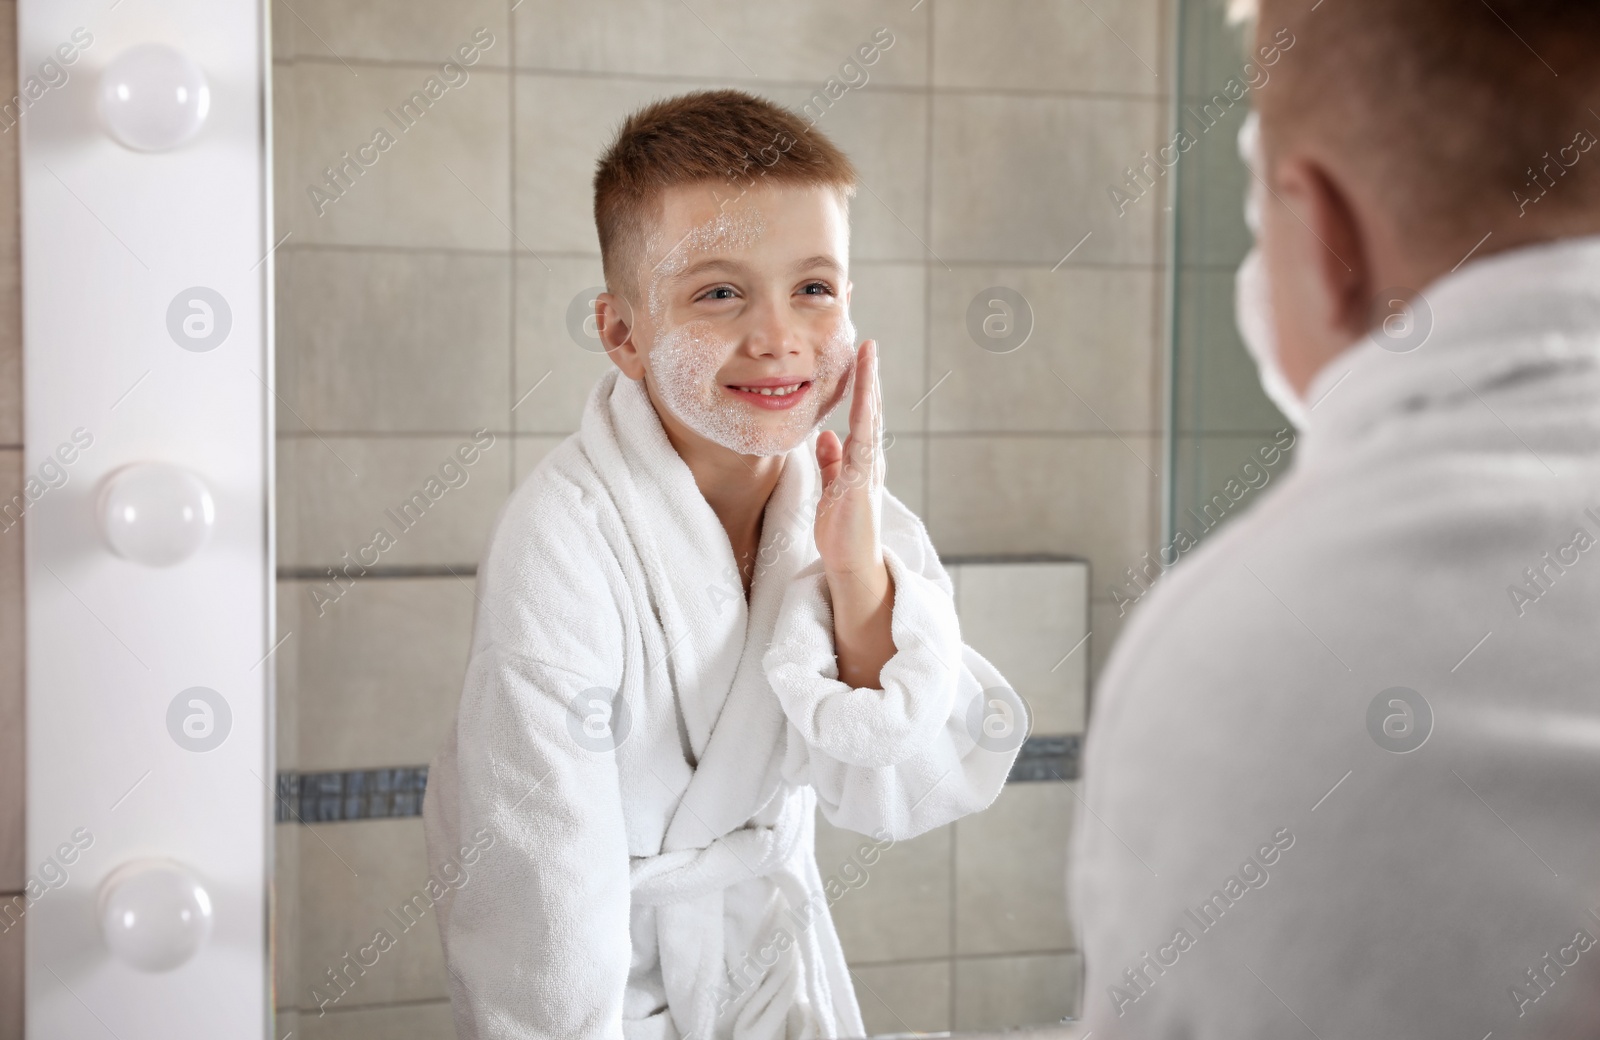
(700, 619)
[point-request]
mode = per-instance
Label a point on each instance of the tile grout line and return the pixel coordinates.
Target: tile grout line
(691, 82)
(1087, 434)
(927, 265)
(518, 252)
(516, 263)
(931, 98)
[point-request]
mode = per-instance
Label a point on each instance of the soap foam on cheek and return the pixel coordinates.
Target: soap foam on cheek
(685, 361)
(834, 364)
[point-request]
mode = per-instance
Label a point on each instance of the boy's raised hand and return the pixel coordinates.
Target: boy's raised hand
(851, 507)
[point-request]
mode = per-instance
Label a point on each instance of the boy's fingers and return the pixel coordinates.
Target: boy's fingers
(877, 417)
(828, 448)
(864, 419)
(861, 402)
(829, 452)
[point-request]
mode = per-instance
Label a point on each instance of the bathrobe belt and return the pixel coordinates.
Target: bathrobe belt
(687, 887)
(753, 851)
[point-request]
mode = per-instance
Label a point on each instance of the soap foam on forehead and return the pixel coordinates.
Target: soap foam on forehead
(724, 231)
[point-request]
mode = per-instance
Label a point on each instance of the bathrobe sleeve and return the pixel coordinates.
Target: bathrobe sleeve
(935, 743)
(537, 938)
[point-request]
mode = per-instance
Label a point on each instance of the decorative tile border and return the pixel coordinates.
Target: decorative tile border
(384, 570)
(381, 794)
(359, 794)
(1046, 759)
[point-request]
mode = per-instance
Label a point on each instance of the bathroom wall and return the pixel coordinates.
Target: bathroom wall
(427, 297)
(967, 927)
(13, 871)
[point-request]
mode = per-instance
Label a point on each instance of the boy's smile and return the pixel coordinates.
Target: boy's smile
(776, 394)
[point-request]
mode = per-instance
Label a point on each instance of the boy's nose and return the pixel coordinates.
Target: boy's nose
(771, 330)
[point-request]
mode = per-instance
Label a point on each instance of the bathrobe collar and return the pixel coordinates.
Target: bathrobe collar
(713, 639)
(1527, 313)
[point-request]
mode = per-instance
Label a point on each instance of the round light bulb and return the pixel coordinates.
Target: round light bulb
(155, 513)
(153, 97)
(155, 914)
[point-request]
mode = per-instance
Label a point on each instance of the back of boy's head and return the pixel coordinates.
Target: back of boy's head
(1448, 107)
(728, 140)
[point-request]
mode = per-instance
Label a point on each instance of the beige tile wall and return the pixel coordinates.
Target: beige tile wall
(1030, 620)
(13, 869)
(431, 299)
(964, 927)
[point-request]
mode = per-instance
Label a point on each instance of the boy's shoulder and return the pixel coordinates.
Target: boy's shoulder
(550, 574)
(560, 509)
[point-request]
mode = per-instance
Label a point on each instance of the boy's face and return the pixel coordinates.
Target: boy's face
(741, 295)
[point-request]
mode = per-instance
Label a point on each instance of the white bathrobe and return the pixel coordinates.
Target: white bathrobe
(636, 892)
(1257, 864)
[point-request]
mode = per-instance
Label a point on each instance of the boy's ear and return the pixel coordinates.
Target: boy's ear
(613, 318)
(1322, 269)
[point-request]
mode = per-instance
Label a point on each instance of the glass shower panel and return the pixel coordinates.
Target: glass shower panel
(1220, 421)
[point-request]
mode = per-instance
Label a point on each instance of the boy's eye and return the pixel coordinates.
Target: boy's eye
(721, 292)
(821, 288)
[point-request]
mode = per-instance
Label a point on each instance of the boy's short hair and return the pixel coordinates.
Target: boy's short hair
(708, 136)
(1451, 105)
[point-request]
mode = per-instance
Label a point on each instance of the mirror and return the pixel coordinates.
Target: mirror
(1060, 382)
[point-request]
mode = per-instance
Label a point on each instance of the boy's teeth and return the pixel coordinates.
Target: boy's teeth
(771, 391)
